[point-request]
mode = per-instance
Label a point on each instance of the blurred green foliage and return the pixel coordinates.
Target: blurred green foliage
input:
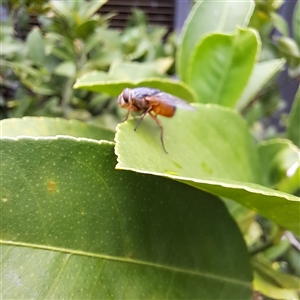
(75, 44)
(72, 38)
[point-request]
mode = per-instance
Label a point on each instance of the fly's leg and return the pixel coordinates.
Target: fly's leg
(142, 117)
(161, 130)
(127, 115)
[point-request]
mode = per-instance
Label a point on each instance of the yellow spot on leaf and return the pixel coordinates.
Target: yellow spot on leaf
(51, 185)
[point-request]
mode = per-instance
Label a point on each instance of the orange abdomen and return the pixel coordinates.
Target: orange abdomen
(164, 109)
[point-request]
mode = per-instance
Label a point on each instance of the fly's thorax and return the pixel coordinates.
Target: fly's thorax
(140, 104)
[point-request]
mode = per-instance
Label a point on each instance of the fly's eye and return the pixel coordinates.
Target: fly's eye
(126, 94)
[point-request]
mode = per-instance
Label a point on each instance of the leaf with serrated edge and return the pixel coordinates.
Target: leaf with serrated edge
(210, 149)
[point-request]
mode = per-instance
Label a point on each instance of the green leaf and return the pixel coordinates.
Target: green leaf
(88, 231)
(64, 11)
(36, 49)
(210, 149)
(132, 71)
(100, 82)
(290, 50)
(282, 280)
(268, 288)
(66, 68)
(262, 73)
(275, 252)
(280, 23)
(32, 126)
(11, 47)
(293, 132)
(85, 29)
(280, 161)
(220, 66)
(22, 106)
(90, 8)
(207, 17)
(296, 24)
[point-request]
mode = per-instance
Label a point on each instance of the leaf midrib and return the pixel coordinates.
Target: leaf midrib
(127, 260)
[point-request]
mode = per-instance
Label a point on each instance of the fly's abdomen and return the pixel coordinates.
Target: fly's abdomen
(164, 110)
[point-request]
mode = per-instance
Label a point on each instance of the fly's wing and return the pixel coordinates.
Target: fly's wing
(140, 93)
(170, 100)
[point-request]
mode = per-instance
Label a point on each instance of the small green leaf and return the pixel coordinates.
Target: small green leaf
(262, 73)
(36, 49)
(282, 280)
(207, 17)
(132, 71)
(100, 82)
(32, 126)
(290, 50)
(66, 68)
(277, 251)
(11, 47)
(91, 7)
(268, 288)
(210, 149)
(280, 23)
(280, 161)
(293, 131)
(296, 24)
(220, 66)
(88, 231)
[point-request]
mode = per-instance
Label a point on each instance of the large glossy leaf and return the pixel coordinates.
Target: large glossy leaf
(32, 126)
(101, 82)
(73, 227)
(293, 131)
(210, 149)
(206, 17)
(220, 66)
(262, 73)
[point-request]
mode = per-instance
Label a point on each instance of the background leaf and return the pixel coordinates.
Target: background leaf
(296, 23)
(66, 68)
(42, 126)
(220, 66)
(262, 73)
(36, 49)
(88, 231)
(226, 16)
(293, 132)
(100, 82)
(281, 161)
(226, 162)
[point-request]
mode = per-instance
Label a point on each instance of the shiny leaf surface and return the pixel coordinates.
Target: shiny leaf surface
(220, 66)
(210, 149)
(74, 227)
(207, 17)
